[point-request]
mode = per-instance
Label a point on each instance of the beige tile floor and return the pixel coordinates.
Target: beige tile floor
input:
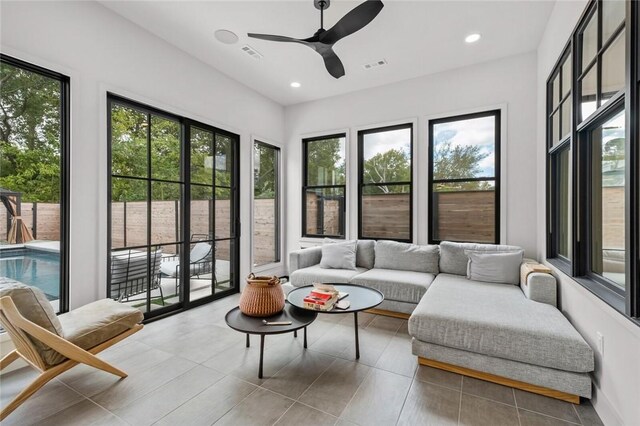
(191, 369)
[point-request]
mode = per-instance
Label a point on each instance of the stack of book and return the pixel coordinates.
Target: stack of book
(321, 298)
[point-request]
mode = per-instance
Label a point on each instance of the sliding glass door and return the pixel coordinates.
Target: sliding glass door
(213, 212)
(173, 209)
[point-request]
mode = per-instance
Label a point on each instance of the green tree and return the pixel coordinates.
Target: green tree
(325, 162)
(29, 134)
(386, 167)
(457, 162)
(265, 179)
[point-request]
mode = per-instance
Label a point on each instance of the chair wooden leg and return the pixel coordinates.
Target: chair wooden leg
(39, 382)
(93, 361)
(8, 359)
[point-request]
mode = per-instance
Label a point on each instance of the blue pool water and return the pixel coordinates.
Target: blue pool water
(33, 267)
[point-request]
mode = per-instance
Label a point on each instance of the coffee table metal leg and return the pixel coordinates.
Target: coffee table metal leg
(248, 341)
(355, 323)
(305, 337)
(261, 355)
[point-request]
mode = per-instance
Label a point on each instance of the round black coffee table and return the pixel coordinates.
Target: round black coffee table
(300, 318)
(360, 297)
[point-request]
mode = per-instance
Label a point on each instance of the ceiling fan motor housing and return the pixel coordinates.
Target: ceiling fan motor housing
(322, 4)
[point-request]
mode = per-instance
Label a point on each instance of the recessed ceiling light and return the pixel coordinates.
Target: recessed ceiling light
(226, 36)
(472, 38)
(295, 84)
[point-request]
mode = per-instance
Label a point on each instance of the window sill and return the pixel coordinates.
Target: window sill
(614, 300)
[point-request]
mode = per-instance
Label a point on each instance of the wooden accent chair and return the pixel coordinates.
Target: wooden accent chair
(53, 344)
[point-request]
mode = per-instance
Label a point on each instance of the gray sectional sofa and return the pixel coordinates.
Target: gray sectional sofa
(508, 334)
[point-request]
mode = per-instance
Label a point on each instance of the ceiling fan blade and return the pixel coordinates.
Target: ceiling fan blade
(271, 37)
(353, 21)
(332, 63)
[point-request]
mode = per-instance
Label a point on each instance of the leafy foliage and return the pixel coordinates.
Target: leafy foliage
(29, 134)
(266, 166)
(325, 162)
(457, 162)
(390, 166)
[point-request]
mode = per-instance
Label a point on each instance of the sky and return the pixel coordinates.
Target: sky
(375, 143)
(477, 131)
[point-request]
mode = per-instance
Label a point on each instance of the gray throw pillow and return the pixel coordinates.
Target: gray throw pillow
(497, 267)
(406, 257)
(340, 255)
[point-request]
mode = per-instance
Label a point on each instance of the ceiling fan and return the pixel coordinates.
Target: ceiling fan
(323, 40)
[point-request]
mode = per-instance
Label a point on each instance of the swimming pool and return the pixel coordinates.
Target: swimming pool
(33, 267)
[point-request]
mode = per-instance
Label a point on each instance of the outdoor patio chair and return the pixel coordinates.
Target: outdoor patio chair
(54, 344)
(129, 276)
(201, 261)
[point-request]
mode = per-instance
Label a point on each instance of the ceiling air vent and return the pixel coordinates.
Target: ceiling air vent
(251, 52)
(376, 64)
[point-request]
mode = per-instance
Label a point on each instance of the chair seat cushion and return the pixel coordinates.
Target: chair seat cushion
(498, 320)
(402, 286)
(98, 322)
(316, 274)
(170, 267)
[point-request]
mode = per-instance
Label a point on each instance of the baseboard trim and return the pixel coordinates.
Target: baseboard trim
(552, 393)
(388, 313)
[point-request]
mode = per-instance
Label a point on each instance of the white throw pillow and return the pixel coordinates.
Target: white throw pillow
(498, 267)
(340, 255)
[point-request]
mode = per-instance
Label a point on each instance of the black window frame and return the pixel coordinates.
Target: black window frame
(497, 113)
(186, 124)
(65, 167)
(554, 151)
(306, 186)
(361, 184)
(627, 99)
(278, 208)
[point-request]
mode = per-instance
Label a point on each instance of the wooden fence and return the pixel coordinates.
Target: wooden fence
(465, 215)
(459, 215)
(42, 218)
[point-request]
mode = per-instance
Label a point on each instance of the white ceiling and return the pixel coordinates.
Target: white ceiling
(416, 38)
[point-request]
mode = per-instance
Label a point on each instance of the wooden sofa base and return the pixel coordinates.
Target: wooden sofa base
(388, 313)
(575, 399)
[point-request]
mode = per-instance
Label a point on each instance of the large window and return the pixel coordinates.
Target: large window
(385, 200)
(607, 239)
(173, 210)
(324, 186)
(464, 178)
(560, 122)
(593, 166)
(266, 204)
(34, 171)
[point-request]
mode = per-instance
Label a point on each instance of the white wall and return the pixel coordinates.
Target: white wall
(617, 376)
(102, 51)
(507, 83)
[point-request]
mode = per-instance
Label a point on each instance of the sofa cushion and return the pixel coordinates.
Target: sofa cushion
(338, 255)
(498, 320)
(402, 286)
(34, 306)
(366, 254)
(316, 274)
(453, 259)
(406, 257)
(502, 268)
(97, 322)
